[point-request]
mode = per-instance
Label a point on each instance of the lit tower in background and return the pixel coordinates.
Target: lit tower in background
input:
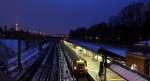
(17, 27)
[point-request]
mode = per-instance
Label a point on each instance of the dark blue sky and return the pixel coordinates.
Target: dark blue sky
(58, 16)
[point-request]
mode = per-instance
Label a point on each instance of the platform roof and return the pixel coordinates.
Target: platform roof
(110, 50)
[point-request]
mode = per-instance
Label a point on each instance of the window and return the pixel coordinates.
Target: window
(134, 67)
(81, 66)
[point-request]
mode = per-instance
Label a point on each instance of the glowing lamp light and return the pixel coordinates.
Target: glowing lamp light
(80, 61)
(86, 68)
(75, 67)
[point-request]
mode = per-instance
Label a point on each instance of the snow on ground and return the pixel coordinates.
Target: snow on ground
(11, 44)
(8, 49)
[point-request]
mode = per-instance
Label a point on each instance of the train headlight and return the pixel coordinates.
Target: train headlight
(75, 67)
(86, 68)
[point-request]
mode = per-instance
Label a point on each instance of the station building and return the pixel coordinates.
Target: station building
(138, 57)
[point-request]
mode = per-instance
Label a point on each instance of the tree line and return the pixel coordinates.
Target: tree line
(130, 25)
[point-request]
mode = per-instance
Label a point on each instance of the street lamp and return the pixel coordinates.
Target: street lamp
(103, 64)
(96, 38)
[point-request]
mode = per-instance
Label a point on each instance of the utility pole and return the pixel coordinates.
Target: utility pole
(19, 55)
(19, 48)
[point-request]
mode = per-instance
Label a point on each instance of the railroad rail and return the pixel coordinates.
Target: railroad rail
(29, 74)
(48, 70)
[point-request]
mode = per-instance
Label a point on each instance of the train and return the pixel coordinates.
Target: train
(76, 64)
(80, 67)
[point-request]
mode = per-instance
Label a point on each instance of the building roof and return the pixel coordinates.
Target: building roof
(143, 43)
(141, 51)
(111, 50)
(142, 48)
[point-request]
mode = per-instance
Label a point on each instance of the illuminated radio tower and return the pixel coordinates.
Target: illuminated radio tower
(17, 27)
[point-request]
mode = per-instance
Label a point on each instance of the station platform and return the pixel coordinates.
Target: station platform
(93, 67)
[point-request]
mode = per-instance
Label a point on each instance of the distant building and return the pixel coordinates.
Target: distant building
(138, 57)
(61, 35)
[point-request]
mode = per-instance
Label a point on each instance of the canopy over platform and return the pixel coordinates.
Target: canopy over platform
(111, 51)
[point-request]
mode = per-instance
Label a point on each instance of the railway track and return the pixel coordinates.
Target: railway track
(28, 58)
(12, 66)
(66, 51)
(12, 70)
(13, 61)
(48, 71)
(29, 74)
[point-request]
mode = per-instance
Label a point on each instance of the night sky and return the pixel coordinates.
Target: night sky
(58, 16)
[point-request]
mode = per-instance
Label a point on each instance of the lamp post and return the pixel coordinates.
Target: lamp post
(103, 65)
